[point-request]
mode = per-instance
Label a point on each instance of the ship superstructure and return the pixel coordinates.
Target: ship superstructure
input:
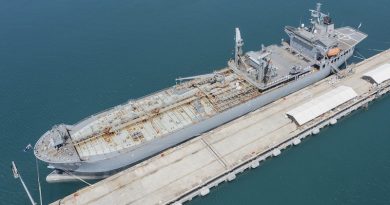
(140, 128)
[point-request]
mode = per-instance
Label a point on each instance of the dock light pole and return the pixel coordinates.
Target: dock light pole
(17, 175)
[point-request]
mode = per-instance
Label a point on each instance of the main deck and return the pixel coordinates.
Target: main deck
(131, 124)
(161, 114)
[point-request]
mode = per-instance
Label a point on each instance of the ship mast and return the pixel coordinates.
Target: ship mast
(316, 15)
(238, 47)
(318, 12)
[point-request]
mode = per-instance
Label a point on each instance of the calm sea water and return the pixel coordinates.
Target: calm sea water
(62, 60)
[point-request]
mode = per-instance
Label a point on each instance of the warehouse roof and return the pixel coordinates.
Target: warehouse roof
(321, 104)
(379, 74)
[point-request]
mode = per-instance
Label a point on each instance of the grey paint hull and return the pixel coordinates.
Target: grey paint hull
(118, 160)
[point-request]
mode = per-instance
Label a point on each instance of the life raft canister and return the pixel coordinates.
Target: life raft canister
(333, 52)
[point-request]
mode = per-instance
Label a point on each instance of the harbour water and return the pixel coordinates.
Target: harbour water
(64, 60)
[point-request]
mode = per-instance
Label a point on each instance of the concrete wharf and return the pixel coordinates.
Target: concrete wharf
(192, 168)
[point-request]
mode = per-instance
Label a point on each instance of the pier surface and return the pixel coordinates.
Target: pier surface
(194, 167)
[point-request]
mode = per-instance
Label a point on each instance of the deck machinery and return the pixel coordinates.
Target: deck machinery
(123, 135)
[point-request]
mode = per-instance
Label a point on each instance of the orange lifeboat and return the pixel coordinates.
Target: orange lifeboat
(333, 52)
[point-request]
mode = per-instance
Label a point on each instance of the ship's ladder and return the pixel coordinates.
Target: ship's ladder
(337, 71)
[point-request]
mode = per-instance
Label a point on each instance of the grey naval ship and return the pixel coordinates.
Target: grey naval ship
(141, 128)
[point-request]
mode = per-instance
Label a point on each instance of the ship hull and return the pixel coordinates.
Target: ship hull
(128, 157)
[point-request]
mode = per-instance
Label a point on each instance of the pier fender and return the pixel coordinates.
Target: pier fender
(316, 131)
(276, 152)
(333, 121)
(204, 191)
(296, 141)
(231, 177)
(255, 164)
